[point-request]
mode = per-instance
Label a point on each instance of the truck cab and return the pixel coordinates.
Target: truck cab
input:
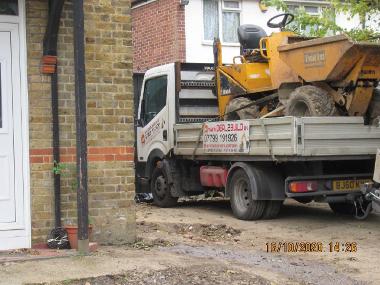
(170, 94)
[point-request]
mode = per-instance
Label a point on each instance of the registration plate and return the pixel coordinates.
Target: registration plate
(349, 185)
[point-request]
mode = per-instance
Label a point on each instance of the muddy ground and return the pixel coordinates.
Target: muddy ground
(201, 242)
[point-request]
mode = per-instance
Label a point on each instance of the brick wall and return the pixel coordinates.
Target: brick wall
(158, 34)
(109, 117)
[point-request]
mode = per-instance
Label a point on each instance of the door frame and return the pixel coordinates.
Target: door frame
(25, 239)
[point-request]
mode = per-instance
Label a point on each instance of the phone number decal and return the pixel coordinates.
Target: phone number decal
(226, 137)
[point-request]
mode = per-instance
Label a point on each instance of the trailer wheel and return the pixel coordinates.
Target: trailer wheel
(251, 112)
(242, 204)
(343, 208)
(161, 189)
(374, 108)
(308, 101)
(272, 209)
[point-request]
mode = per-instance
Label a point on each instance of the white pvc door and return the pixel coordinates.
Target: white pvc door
(12, 204)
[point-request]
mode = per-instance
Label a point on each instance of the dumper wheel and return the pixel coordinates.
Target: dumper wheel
(251, 112)
(342, 208)
(161, 189)
(374, 108)
(242, 204)
(308, 101)
(272, 209)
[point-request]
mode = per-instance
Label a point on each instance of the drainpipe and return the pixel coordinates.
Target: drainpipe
(81, 126)
(50, 67)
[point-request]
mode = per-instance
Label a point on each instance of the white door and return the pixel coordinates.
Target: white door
(12, 199)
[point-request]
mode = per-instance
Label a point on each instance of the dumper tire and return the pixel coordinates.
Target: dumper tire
(160, 189)
(242, 204)
(251, 112)
(272, 209)
(343, 208)
(374, 108)
(310, 101)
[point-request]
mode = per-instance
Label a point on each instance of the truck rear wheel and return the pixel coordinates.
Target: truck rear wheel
(308, 101)
(251, 112)
(242, 204)
(161, 189)
(343, 208)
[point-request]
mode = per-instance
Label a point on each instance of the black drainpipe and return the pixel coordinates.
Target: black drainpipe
(50, 51)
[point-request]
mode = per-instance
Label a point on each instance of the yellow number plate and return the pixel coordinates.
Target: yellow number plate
(347, 185)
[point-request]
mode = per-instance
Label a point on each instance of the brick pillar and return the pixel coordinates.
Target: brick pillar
(109, 118)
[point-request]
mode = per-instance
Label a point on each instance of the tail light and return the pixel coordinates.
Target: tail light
(303, 186)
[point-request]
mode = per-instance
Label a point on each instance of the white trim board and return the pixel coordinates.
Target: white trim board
(21, 238)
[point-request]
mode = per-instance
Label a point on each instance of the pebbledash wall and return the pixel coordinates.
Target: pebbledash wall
(158, 33)
(110, 120)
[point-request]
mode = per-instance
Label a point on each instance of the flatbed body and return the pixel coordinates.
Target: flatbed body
(289, 139)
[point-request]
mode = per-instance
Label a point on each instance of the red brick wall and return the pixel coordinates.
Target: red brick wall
(158, 34)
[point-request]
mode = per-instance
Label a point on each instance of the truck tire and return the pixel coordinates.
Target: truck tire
(161, 190)
(251, 112)
(374, 108)
(309, 101)
(242, 204)
(343, 208)
(272, 209)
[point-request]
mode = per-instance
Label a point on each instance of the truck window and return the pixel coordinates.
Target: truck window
(154, 98)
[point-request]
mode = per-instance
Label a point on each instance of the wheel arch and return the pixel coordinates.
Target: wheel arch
(154, 156)
(266, 181)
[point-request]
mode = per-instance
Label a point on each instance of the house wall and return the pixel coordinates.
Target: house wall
(109, 116)
(158, 34)
(198, 50)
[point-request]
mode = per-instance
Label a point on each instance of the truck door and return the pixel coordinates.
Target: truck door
(152, 132)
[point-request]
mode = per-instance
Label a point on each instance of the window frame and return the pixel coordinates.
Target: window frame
(319, 4)
(142, 116)
(221, 9)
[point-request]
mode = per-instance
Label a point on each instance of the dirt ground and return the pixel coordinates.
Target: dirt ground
(201, 242)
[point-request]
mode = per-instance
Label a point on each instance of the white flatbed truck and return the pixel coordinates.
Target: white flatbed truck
(183, 149)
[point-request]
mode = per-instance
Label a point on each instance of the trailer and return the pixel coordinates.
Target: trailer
(184, 148)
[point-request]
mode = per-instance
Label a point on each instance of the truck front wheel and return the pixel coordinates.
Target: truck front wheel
(161, 189)
(242, 204)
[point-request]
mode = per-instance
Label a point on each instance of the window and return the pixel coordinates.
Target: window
(314, 9)
(154, 98)
(221, 19)
(9, 7)
(309, 9)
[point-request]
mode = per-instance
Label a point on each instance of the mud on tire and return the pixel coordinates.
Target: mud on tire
(251, 112)
(308, 101)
